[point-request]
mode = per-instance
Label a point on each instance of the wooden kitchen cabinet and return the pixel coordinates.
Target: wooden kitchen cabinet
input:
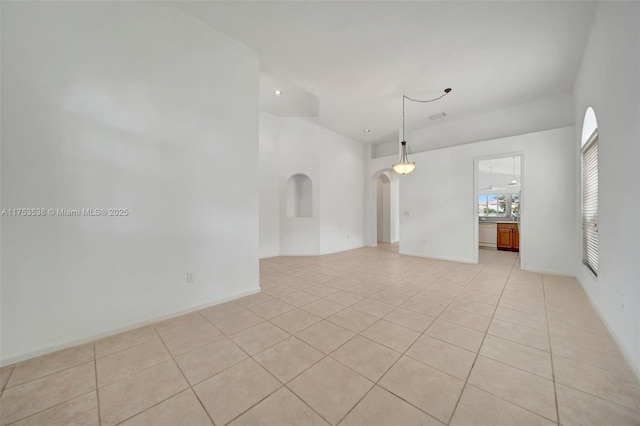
(508, 237)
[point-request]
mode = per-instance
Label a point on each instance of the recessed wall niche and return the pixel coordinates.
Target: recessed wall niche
(299, 196)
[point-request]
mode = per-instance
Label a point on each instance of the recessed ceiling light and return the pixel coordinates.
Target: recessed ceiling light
(277, 92)
(437, 116)
(366, 130)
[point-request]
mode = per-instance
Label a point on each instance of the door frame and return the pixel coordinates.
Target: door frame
(474, 204)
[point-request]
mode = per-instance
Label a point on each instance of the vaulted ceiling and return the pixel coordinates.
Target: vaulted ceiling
(348, 63)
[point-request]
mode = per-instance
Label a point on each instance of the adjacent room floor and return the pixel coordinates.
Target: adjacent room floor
(365, 337)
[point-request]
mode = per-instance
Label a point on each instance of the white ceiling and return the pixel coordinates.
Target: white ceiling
(499, 172)
(348, 63)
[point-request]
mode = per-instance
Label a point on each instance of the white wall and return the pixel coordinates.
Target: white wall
(335, 165)
(341, 191)
(442, 214)
(122, 105)
(269, 187)
(609, 81)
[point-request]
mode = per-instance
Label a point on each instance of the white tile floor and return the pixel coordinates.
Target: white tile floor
(365, 337)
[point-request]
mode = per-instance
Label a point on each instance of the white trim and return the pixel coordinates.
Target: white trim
(341, 251)
(448, 259)
(476, 180)
(544, 271)
(69, 344)
(630, 360)
(268, 256)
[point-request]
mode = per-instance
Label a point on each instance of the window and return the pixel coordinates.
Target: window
(590, 203)
(499, 205)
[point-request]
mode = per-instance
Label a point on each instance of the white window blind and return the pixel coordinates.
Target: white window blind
(590, 203)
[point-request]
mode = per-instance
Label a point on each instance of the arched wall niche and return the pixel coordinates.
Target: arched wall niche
(299, 196)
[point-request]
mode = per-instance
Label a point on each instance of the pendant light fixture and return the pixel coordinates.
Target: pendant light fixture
(491, 187)
(405, 166)
(514, 182)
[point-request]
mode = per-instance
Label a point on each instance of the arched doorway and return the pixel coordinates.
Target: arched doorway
(386, 208)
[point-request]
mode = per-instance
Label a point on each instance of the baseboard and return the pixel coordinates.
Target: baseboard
(341, 251)
(488, 246)
(629, 359)
(323, 253)
(269, 256)
(76, 342)
(448, 259)
(542, 271)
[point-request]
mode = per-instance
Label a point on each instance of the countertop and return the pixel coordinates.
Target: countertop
(497, 221)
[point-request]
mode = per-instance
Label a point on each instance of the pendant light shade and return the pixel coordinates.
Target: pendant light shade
(404, 166)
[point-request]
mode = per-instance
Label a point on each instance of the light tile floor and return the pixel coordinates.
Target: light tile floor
(365, 337)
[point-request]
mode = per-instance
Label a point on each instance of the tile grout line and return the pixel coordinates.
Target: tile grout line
(95, 373)
(376, 383)
(6, 384)
(95, 359)
(351, 338)
(553, 373)
(436, 318)
(189, 386)
(517, 368)
(378, 319)
(483, 339)
(172, 358)
(249, 356)
(7, 387)
(57, 404)
(48, 408)
(282, 385)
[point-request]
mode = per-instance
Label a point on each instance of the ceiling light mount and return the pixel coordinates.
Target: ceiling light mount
(277, 92)
(405, 166)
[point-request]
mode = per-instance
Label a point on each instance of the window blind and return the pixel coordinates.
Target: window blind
(590, 203)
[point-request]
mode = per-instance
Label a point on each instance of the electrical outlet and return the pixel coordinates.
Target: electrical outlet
(191, 277)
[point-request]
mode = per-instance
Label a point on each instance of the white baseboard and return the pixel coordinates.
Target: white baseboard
(319, 253)
(542, 271)
(449, 259)
(488, 246)
(341, 251)
(635, 367)
(76, 342)
(269, 256)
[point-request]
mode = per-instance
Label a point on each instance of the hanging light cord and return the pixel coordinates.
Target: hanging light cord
(446, 92)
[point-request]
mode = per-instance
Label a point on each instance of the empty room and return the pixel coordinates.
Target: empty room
(320, 213)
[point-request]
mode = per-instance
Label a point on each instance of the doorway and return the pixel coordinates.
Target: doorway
(387, 208)
(498, 202)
